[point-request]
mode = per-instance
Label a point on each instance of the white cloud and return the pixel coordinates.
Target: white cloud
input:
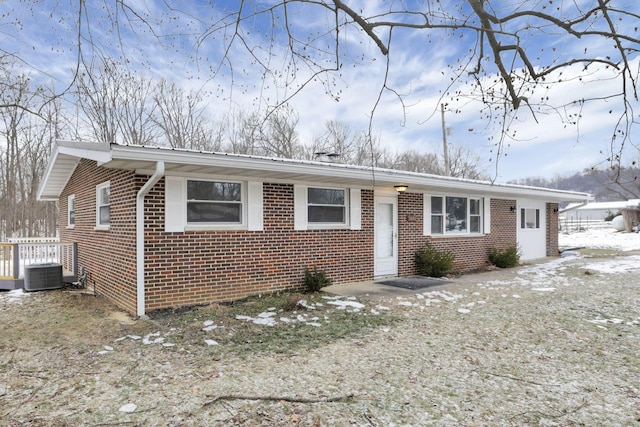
(420, 70)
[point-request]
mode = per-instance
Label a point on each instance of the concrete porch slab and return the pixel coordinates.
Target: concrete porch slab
(372, 289)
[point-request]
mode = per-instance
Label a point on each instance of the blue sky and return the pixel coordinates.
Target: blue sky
(420, 69)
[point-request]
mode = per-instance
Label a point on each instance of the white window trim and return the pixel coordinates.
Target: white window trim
(71, 200)
(485, 216)
(252, 213)
(215, 225)
(538, 213)
(353, 209)
(330, 225)
(99, 188)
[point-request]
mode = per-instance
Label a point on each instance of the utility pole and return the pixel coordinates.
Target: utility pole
(447, 171)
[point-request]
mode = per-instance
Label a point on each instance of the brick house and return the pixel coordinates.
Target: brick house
(159, 227)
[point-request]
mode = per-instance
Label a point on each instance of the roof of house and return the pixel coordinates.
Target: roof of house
(617, 205)
(66, 155)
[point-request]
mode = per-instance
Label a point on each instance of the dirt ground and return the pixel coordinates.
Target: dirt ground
(551, 344)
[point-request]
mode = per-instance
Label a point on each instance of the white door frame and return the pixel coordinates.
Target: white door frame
(532, 242)
(385, 258)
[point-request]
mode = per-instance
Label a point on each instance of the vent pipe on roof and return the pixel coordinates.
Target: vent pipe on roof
(323, 156)
(159, 173)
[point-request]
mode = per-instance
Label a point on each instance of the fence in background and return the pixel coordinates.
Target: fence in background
(14, 256)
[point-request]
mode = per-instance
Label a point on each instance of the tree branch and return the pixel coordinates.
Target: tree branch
(362, 24)
(345, 398)
(485, 19)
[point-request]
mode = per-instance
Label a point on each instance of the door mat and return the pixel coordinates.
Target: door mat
(413, 282)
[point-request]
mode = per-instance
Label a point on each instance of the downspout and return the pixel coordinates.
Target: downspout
(159, 173)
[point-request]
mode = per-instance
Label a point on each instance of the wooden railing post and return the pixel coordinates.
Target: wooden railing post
(16, 261)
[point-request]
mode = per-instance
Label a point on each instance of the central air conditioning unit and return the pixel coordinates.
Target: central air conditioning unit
(41, 277)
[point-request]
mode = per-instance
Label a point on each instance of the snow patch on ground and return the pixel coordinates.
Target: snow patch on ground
(357, 306)
(604, 238)
(623, 265)
(14, 296)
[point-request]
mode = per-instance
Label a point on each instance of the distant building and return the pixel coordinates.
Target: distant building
(597, 211)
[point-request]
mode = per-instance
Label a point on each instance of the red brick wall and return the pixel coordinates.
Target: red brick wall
(471, 252)
(199, 267)
(108, 256)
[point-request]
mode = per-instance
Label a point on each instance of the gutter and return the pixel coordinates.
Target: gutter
(585, 203)
(141, 158)
(159, 173)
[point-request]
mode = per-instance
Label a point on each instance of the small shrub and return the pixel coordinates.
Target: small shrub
(315, 279)
(505, 258)
(611, 215)
(434, 263)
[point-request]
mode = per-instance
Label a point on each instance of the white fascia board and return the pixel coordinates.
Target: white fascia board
(313, 171)
(99, 156)
(487, 189)
(284, 166)
(65, 156)
(45, 178)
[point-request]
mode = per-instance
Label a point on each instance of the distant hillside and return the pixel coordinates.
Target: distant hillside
(604, 185)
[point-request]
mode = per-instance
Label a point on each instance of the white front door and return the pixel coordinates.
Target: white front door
(532, 229)
(386, 236)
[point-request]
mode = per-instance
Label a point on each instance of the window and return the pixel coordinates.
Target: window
(529, 218)
(201, 204)
(103, 205)
(214, 202)
(475, 219)
(326, 206)
(71, 211)
(437, 216)
(455, 215)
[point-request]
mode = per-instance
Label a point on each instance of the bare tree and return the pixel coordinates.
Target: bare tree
(463, 163)
(618, 182)
(115, 104)
(350, 146)
(509, 58)
(338, 139)
(279, 135)
(243, 132)
(17, 100)
(184, 119)
(414, 161)
(24, 151)
(37, 218)
(508, 54)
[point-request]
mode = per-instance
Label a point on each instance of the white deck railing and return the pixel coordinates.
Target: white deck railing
(15, 256)
(33, 240)
(6, 261)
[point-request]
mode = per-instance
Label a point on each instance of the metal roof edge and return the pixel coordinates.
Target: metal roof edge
(380, 175)
(99, 152)
(47, 174)
(104, 152)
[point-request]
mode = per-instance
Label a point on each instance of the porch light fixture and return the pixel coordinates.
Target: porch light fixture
(401, 188)
(512, 208)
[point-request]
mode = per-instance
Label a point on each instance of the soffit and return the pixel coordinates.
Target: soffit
(179, 162)
(190, 163)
